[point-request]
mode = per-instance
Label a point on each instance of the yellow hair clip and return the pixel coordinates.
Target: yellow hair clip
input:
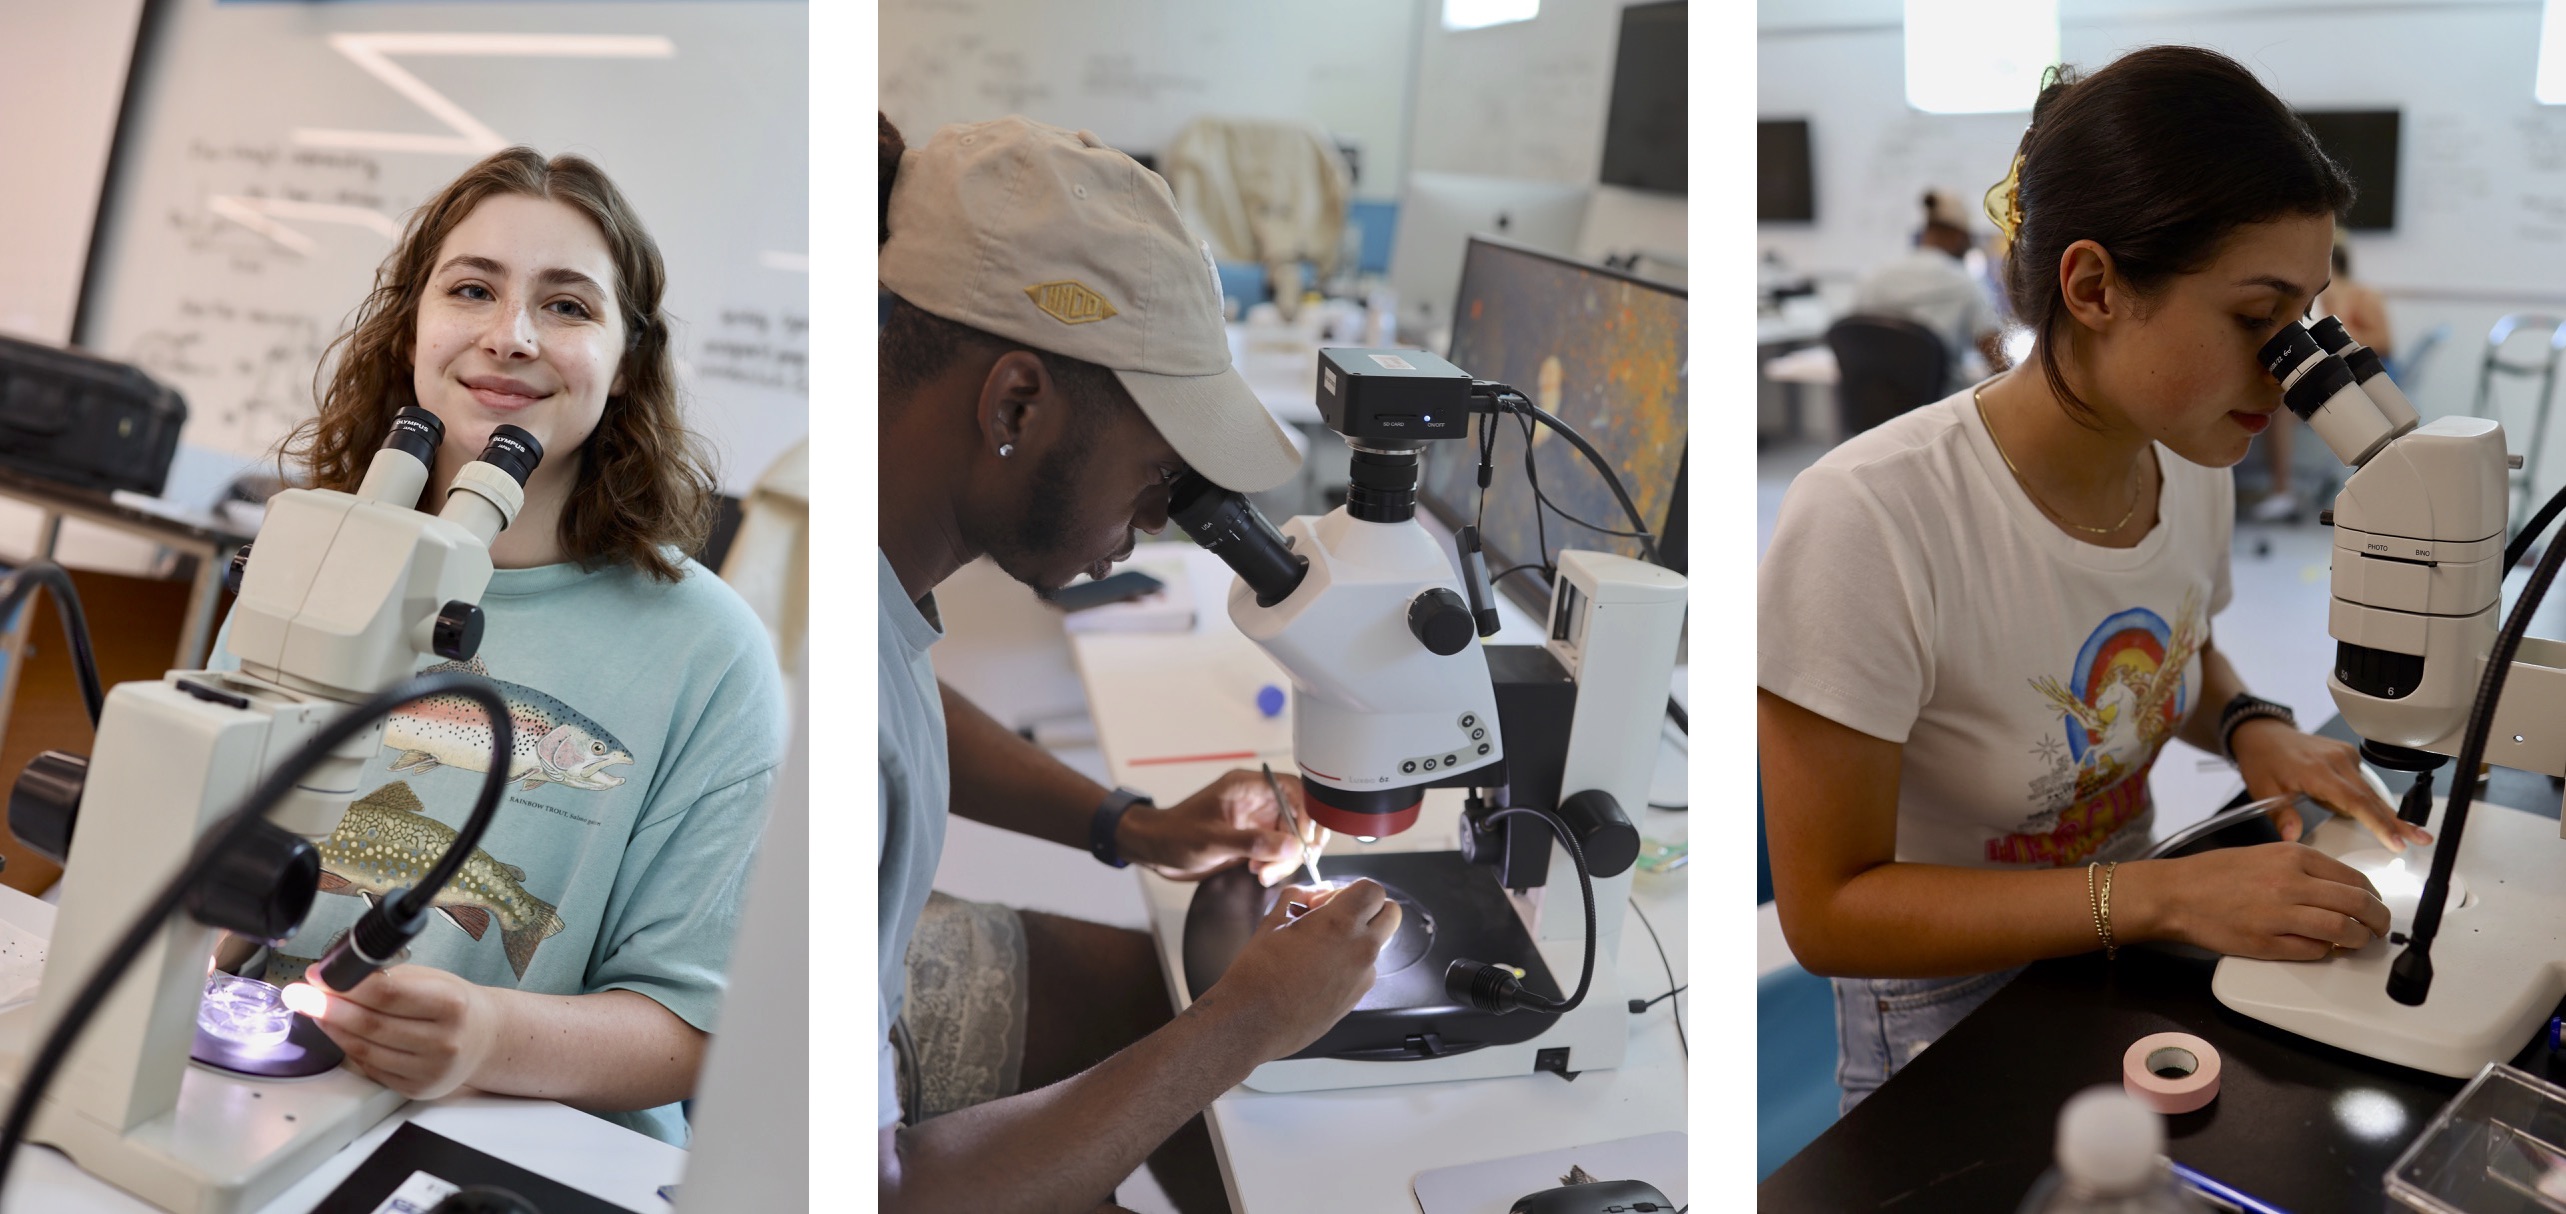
(2004, 203)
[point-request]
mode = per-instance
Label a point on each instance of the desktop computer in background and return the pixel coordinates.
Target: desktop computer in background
(1441, 212)
(1602, 351)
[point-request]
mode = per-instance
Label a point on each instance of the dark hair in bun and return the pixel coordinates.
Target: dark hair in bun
(2158, 158)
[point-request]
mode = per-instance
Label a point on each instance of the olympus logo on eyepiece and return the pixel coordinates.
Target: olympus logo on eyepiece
(514, 451)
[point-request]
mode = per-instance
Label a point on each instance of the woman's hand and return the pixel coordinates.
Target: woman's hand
(419, 1031)
(2277, 759)
(2274, 901)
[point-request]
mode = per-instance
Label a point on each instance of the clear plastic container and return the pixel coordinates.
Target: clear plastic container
(2499, 1147)
(243, 1011)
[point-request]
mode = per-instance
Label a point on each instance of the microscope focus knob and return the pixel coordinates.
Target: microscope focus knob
(235, 570)
(45, 803)
(1442, 621)
(261, 886)
(458, 631)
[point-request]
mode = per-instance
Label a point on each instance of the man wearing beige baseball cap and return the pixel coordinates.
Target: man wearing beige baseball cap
(1052, 360)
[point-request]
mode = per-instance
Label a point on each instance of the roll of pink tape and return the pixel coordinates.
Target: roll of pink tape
(2171, 1072)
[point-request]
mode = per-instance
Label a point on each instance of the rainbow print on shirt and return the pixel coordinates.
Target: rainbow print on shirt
(2123, 698)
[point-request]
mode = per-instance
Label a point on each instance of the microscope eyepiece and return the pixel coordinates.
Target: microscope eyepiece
(2309, 376)
(416, 431)
(2323, 391)
(513, 451)
(1229, 525)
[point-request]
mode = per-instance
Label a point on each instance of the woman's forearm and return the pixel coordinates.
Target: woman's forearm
(1932, 921)
(2219, 684)
(613, 1051)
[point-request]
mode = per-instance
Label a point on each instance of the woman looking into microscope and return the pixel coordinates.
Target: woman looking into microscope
(1978, 624)
(582, 961)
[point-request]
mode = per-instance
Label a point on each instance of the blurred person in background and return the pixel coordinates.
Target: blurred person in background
(1932, 286)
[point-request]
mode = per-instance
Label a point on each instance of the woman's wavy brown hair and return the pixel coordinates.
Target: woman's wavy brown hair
(646, 483)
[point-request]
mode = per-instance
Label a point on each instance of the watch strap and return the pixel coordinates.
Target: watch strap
(2246, 707)
(1107, 819)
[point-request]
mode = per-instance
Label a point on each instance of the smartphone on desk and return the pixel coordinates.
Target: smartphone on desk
(1118, 588)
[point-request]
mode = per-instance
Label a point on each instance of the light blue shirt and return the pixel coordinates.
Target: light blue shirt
(917, 790)
(650, 722)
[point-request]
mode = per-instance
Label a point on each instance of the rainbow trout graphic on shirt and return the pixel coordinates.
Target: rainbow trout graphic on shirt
(553, 742)
(388, 841)
(2126, 694)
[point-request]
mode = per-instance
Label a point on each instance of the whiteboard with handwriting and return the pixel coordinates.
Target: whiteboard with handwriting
(273, 150)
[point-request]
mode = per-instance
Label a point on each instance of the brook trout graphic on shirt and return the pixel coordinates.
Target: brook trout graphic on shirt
(2125, 696)
(554, 743)
(387, 842)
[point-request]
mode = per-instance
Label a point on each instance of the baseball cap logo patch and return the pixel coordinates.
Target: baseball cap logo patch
(1070, 302)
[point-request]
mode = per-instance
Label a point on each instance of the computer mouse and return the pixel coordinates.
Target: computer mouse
(1601, 1197)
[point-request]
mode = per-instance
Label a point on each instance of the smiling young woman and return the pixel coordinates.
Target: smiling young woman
(548, 260)
(585, 961)
(1980, 623)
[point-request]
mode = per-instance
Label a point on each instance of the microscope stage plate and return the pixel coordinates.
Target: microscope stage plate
(2499, 962)
(1450, 909)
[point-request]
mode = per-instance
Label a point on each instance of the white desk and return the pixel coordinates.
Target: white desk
(1813, 365)
(1800, 322)
(554, 1140)
(1191, 697)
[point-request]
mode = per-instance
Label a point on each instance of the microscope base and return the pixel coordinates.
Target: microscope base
(232, 1143)
(1594, 1036)
(2499, 961)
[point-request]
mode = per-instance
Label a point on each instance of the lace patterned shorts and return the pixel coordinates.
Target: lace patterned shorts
(960, 1040)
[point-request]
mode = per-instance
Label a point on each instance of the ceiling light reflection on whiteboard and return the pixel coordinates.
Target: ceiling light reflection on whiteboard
(1480, 14)
(1978, 56)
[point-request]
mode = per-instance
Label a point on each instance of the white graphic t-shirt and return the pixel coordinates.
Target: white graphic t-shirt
(1914, 592)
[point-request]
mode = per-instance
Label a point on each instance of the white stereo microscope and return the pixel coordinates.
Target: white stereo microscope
(1394, 695)
(347, 594)
(2476, 959)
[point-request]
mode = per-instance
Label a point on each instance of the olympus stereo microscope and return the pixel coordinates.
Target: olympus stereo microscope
(1395, 695)
(346, 595)
(2422, 671)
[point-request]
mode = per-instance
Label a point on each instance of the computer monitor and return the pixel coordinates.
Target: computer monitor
(1644, 127)
(1602, 351)
(1785, 189)
(2364, 142)
(1439, 215)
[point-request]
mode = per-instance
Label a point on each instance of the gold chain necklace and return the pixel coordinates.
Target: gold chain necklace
(2136, 493)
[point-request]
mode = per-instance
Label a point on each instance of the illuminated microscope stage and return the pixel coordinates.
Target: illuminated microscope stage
(2499, 962)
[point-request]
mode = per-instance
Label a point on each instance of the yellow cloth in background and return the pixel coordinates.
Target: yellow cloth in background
(1261, 190)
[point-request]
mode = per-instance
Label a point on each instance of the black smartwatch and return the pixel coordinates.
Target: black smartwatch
(1108, 817)
(2246, 707)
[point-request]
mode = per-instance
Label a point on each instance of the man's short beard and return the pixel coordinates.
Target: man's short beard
(1040, 533)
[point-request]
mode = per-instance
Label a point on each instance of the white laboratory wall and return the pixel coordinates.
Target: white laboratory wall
(1136, 71)
(2481, 192)
(62, 77)
(1525, 99)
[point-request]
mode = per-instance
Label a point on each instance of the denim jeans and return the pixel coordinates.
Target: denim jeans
(1881, 1024)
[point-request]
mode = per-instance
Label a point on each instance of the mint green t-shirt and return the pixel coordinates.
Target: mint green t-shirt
(650, 721)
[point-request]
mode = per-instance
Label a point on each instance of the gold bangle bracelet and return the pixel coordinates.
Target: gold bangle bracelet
(2111, 947)
(2094, 904)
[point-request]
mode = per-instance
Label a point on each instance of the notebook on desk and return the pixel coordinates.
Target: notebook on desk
(415, 1169)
